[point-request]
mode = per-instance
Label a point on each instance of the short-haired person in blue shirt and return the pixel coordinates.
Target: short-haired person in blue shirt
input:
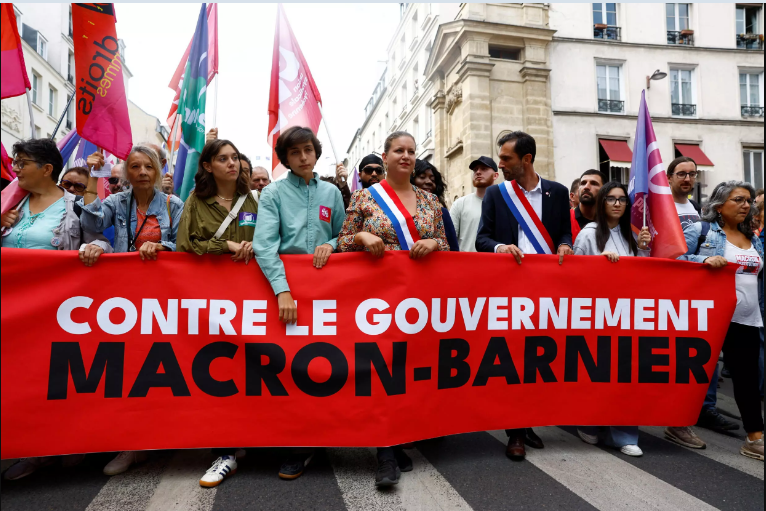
(299, 214)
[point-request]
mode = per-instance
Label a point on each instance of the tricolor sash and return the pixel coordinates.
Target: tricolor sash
(528, 220)
(400, 218)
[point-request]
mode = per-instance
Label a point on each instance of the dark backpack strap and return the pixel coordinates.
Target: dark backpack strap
(703, 236)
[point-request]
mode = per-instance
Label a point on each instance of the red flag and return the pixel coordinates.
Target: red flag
(176, 83)
(294, 98)
(15, 81)
(8, 173)
(102, 105)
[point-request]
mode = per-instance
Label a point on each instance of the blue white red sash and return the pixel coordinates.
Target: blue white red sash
(400, 218)
(528, 220)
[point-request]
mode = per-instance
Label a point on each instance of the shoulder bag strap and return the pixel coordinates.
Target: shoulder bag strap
(703, 236)
(231, 216)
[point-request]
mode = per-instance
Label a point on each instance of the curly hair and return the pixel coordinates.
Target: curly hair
(421, 167)
(719, 196)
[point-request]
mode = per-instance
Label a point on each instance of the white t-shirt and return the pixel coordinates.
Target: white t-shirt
(687, 214)
(748, 312)
(466, 216)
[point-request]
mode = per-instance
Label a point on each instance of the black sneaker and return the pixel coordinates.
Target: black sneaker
(388, 474)
(404, 461)
(295, 465)
(711, 419)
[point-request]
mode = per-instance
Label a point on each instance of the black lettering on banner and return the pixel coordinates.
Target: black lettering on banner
(685, 363)
(534, 362)
(160, 354)
(109, 362)
(201, 369)
(448, 362)
(647, 360)
(624, 359)
(338, 373)
(256, 372)
(599, 370)
(496, 349)
(367, 355)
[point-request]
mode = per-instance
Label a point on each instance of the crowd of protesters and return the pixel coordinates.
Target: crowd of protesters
(235, 209)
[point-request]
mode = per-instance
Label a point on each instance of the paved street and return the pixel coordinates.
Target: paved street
(460, 473)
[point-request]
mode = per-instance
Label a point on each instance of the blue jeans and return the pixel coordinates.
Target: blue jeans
(711, 398)
(613, 436)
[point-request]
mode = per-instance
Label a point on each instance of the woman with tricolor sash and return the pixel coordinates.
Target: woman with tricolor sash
(394, 215)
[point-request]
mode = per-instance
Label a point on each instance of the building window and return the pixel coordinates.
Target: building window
(71, 32)
(682, 93)
(753, 160)
(609, 89)
(679, 24)
(749, 35)
(403, 49)
(388, 121)
(415, 81)
(51, 101)
(38, 132)
(605, 21)
(36, 82)
(416, 130)
(496, 52)
(70, 68)
(414, 25)
(19, 24)
(751, 94)
(69, 113)
(42, 46)
(404, 96)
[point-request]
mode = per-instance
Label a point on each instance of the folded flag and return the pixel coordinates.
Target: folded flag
(13, 72)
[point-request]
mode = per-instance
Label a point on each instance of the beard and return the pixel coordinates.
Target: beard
(587, 200)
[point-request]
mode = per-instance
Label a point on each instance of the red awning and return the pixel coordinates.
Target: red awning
(617, 150)
(695, 153)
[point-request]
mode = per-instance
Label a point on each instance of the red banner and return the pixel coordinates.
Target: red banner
(132, 355)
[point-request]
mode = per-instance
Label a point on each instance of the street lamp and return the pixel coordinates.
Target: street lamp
(657, 75)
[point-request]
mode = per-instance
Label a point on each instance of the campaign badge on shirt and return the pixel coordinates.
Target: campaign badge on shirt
(325, 214)
(247, 219)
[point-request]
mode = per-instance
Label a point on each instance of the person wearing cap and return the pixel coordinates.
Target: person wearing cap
(371, 170)
(466, 211)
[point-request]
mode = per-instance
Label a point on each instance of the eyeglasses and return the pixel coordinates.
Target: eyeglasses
(611, 200)
(684, 175)
(68, 185)
(113, 180)
(19, 163)
(370, 170)
(739, 201)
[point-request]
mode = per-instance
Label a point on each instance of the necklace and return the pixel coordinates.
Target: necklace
(224, 198)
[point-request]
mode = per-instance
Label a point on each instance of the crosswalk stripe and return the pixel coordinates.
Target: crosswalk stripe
(602, 479)
(179, 489)
(132, 490)
(720, 448)
(425, 488)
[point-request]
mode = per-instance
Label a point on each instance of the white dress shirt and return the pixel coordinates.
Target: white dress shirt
(535, 198)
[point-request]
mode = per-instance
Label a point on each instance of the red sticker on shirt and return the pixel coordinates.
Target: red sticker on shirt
(325, 214)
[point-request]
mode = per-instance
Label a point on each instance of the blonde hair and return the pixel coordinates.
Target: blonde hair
(152, 155)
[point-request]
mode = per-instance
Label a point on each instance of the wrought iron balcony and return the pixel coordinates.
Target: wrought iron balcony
(752, 111)
(750, 41)
(684, 110)
(611, 105)
(605, 32)
(682, 38)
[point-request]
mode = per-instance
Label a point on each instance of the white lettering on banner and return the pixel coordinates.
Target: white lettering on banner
(374, 317)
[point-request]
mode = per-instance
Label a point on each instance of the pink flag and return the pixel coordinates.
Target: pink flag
(294, 98)
(13, 73)
(11, 196)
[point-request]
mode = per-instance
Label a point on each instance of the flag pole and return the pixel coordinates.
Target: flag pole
(215, 103)
(173, 144)
(61, 119)
(327, 129)
(31, 116)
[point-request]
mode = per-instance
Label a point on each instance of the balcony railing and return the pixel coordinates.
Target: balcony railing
(69, 124)
(605, 32)
(684, 109)
(750, 41)
(430, 132)
(752, 111)
(611, 105)
(682, 38)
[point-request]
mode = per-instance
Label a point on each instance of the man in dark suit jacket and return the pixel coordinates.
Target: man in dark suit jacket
(499, 231)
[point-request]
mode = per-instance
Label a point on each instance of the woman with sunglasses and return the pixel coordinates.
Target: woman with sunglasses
(145, 220)
(75, 181)
(724, 235)
(610, 235)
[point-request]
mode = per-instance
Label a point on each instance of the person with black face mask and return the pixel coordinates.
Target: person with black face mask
(591, 182)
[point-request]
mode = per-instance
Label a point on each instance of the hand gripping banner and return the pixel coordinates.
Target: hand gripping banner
(131, 355)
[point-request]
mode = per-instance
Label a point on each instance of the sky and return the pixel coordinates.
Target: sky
(343, 44)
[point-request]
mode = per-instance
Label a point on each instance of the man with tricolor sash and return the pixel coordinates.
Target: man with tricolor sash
(525, 214)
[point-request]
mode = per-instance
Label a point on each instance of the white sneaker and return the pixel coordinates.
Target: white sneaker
(588, 439)
(27, 466)
(222, 468)
(631, 450)
(123, 461)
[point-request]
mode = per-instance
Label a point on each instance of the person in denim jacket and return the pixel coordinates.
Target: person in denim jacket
(731, 240)
(144, 218)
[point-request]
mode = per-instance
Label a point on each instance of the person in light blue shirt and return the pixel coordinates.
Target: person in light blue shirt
(296, 215)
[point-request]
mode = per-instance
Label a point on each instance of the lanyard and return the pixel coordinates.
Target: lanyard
(131, 239)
